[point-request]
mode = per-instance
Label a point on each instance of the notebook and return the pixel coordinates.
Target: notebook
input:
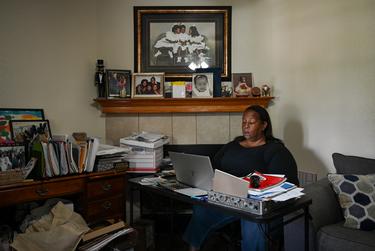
(194, 171)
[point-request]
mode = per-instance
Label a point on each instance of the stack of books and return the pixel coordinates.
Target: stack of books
(271, 187)
(146, 152)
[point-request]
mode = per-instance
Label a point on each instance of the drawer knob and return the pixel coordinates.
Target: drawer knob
(42, 191)
(107, 205)
(106, 187)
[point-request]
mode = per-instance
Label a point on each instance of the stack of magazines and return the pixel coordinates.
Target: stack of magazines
(111, 157)
(99, 238)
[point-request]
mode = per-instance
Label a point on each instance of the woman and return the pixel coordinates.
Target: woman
(256, 150)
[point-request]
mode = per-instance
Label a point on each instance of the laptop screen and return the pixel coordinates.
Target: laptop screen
(193, 170)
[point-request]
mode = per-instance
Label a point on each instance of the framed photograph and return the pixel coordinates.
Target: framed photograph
(177, 40)
(25, 131)
(118, 84)
(8, 114)
(12, 156)
(202, 85)
(148, 85)
(217, 79)
(242, 83)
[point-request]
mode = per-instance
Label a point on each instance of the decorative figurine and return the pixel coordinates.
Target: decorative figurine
(266, 90)
(255, 91)
(100, 78)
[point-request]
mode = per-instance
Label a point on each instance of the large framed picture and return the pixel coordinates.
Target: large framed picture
(25, 131)
(118, 83)
(177, 40)
(148, 85)
(11, 157)
(8, 114)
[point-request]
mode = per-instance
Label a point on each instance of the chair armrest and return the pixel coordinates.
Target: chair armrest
(325, 208)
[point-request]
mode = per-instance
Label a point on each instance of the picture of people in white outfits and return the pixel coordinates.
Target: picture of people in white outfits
(182, 44)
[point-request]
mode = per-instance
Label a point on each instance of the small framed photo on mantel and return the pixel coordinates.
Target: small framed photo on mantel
(118, 83)
(242, 84)
(148, 85)
(202, 85)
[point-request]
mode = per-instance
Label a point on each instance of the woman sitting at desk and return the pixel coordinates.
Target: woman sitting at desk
(257, 150)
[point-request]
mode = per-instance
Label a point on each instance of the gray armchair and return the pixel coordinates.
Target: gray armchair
(327, 232)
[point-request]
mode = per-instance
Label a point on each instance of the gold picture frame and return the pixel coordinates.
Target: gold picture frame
(203, 39)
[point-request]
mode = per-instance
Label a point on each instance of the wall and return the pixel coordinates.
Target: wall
(318, 56)
(47, 60)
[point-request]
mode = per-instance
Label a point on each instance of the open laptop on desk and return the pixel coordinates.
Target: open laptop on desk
(194, 174)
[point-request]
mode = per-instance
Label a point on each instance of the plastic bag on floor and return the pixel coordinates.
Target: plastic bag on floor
(60, 230)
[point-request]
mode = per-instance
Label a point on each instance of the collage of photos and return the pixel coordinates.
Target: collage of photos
(204, 83)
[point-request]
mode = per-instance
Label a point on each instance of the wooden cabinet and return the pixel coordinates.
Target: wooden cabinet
(100, 195)
(105, 197)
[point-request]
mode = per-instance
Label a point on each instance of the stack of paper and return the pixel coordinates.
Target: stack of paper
(146, 151)
(111, 157)
(145, 139)
(282, 192)
(144, 160)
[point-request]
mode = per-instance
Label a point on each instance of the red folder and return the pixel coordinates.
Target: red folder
(267, 181)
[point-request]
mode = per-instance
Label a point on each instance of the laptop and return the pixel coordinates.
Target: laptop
(194, 171)
(229, 184)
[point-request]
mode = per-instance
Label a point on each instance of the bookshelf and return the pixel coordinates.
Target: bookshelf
(179, 105)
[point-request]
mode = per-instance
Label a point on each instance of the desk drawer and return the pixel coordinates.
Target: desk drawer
(112, 207)
(40, 191)
(105, 187)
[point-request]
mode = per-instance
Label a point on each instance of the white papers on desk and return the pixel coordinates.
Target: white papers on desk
(281, 192)
(151, 181)
(192, 191)
(294, 193)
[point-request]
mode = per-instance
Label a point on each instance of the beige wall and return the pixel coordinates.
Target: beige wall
(47, 60)
(319, 57)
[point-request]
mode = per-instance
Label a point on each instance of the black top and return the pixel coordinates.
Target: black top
(271, 158)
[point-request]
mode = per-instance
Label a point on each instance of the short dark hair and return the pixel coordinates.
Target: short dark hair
(199, 77)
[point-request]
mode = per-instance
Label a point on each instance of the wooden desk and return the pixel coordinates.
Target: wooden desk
(301, 204)
(100, 195)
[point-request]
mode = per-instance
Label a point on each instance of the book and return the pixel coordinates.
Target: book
(265, 181)
(104, 230)
(103, 240)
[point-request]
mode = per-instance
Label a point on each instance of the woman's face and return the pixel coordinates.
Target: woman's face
(252, 126)
(201, 84)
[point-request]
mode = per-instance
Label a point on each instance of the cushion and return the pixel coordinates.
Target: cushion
(352, 164)
(357, 199)
(338, 237)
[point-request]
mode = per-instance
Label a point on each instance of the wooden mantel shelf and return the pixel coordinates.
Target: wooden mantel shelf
(179, 105)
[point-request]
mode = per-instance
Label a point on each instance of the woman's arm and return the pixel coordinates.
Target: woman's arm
(281, 161)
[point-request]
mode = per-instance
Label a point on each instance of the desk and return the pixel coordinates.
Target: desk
(292, 207)
(101, 195)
